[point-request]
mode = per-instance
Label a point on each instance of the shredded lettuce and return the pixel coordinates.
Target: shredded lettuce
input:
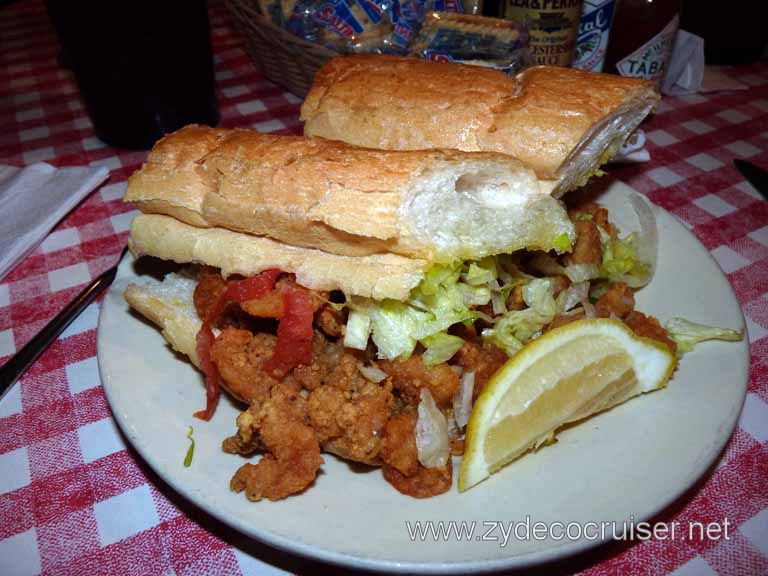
(437, 312)
(191, 450)
(687, 334)
(483, 272)
(574, 272)
(474, 295)
(515, 328)
(439, 302)
(621, 262)
(440, 347)
(358, 330)
(448, 295)
(439, 275)
(562, 243)
(394, 324)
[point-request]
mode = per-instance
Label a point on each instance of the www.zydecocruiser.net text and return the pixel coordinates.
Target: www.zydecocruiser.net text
(502, 532)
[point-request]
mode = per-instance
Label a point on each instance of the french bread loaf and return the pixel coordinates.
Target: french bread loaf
(438, 205)
(562, 122)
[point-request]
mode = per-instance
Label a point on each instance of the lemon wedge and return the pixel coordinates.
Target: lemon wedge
(565, 375)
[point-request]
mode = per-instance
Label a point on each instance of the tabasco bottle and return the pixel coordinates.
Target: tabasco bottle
(641, 38)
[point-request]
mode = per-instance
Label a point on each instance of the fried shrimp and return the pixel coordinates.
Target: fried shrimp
(484, 361)
(588, 249)
(292, 451)
(411, 375)
(619, 301)
(349, 412)
(401, 461)
(239, 356)
(425, 483)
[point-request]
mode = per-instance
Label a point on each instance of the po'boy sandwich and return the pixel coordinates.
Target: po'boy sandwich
(357, 301)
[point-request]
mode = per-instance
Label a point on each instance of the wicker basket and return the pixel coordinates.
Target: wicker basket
(284, 58)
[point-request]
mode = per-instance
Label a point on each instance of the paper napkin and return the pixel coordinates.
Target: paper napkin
(32, 201)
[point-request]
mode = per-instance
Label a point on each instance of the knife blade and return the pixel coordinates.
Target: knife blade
(755, 175)
(15, 368)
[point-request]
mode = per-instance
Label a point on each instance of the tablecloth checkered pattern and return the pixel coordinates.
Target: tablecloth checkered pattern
(75, 500)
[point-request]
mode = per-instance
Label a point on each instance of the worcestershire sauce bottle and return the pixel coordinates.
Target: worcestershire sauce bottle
(553, 26)
(641, 38)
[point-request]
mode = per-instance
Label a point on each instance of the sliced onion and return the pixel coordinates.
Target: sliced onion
(373, 373)
(432, 442)
(647, 239)
(462, 401)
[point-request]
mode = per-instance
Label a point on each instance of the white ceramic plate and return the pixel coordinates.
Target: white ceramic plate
(631, 461)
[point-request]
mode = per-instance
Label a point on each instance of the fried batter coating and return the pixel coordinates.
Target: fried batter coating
(210, 287)
(483, 360)
(293, 452)
(649, 327)
(588, 249)
(457, 447)
(331, 321)
(619, 301)
(598, 213)
(411, 375)
(325, 359)
(398, 449)
(427, 482)
(401, 460)
(239, 356)
(515, 300)
(559, 283)
(347, 411)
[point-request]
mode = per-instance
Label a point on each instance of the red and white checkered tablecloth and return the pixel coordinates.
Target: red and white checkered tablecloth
(75, 500)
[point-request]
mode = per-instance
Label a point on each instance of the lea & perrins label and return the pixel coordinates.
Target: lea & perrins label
(553, 26)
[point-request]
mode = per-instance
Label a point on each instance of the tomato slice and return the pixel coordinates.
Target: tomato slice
(294, 333)
(239, 291)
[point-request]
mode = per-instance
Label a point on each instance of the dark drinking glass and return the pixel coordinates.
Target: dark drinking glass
(144, 68)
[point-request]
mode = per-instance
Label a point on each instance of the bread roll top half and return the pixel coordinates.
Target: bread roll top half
(562, 122)
(438, 205)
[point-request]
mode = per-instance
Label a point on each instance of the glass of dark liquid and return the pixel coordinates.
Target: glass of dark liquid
(144, 68)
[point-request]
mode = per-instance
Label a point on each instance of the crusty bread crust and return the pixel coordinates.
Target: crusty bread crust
(174, 164)
(541, 117)
(377, 276)
(342, 199)
(179, 328)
